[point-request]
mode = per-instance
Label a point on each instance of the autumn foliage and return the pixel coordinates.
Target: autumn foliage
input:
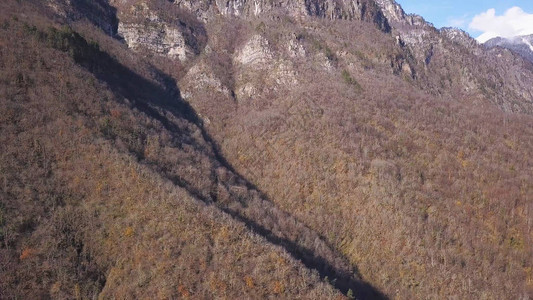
(329, 171)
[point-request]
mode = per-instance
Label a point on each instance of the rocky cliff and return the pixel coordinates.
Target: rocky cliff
(331, 9)
(425, 53)
(169, 37)
(437, 54)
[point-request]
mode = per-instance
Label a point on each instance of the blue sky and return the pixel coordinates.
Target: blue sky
(461, 13)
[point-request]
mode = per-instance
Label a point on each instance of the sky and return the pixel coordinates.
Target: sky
(482, 19)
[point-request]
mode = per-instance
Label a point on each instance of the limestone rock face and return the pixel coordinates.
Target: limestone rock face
(392, 11)
(142, 28)
(177, 30)
(256, 52)
(206, 10)
(202, 78)
(295, 48)
(330, 9)
(397, 17)
(162, 39)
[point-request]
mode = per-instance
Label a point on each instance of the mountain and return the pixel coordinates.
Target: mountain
(313, 149)
(522, 45)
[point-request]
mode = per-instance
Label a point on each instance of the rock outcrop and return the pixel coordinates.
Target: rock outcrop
(256, 52)
(162, 39)
(178, 38)
(392, 11)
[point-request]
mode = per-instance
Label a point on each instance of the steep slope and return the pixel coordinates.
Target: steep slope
(522, 45)
(112, 188)
(450, 62)
(405, 162)
(239, 149)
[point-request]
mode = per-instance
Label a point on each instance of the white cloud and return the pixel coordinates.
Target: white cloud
(514, 22)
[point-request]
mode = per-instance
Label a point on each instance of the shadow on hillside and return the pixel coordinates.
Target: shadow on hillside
(98, 12)
(154, 100)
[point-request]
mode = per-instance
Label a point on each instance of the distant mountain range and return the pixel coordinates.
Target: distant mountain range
(522, 45)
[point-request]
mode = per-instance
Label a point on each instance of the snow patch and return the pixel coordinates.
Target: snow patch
(527, 43)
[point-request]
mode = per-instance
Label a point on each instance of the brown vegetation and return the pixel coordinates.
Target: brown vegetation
(429, 196)
(86, 211)
(339, 171)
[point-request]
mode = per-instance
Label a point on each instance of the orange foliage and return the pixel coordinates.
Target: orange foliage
(128, 232)
(26, 253)
(249, 281)
(183, 291)
(279, 287)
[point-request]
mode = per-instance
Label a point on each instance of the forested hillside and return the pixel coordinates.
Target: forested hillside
(259, 149)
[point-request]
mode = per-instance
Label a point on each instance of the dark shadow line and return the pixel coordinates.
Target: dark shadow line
(339, 279)
(145, 95)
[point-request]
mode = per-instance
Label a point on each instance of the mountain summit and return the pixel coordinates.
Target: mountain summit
(522, 45)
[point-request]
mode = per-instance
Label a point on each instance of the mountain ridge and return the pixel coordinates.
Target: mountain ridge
(521, 45)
